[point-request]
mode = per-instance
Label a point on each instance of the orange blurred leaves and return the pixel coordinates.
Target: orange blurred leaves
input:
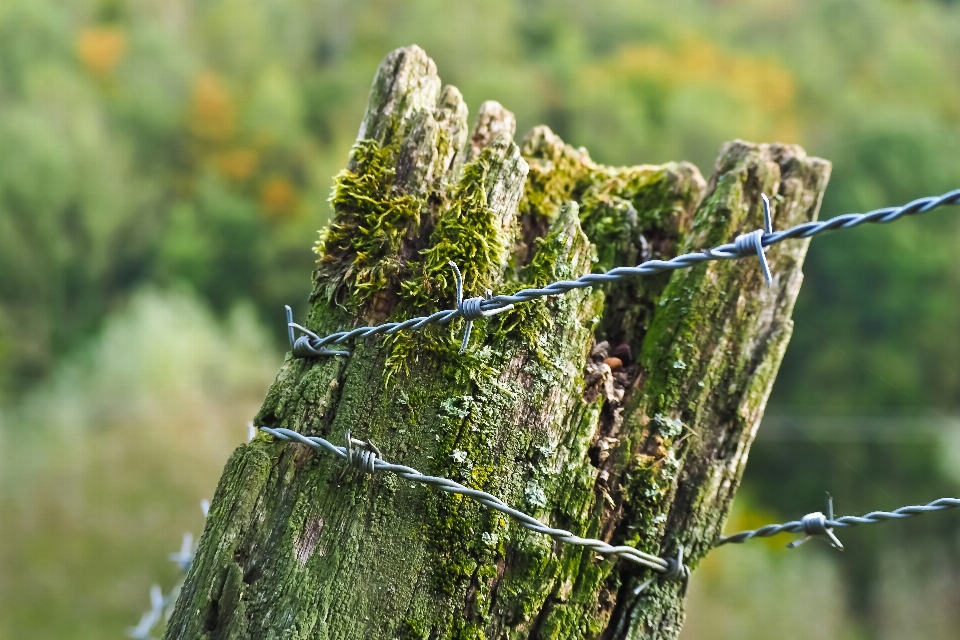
(278, 197)
(237, 164)
(212, 113)
(100, 49)
(760, 84)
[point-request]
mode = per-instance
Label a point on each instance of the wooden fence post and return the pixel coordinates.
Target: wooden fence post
(624, 413)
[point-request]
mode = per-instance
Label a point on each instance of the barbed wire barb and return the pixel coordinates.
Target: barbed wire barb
(815, 524)
(470, 309)
(150, 618)
(676, 571)
(874, 517)
(291, 325)
(184, 557)
(752, 242)
(161, 606)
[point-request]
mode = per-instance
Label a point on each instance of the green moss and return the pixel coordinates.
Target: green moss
(568, 622)
(457, 416)
(550, 263)
(358, 250)
(468, 538)
(468, 233)
(611, 224)
(678, 372)
(659, 193)
(464, 630)
(466, 534)
(556, 170)
(624, 204)
(413, 630)
(667, 347)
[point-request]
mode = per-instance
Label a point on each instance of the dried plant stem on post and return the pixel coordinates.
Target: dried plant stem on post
(623, 413)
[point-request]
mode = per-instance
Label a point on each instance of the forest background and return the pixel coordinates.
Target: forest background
(164, 170)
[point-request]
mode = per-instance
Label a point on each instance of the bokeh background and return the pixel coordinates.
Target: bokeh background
(164, 169)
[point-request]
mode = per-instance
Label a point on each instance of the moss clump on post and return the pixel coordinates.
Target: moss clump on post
(622, 412)
(359, 248)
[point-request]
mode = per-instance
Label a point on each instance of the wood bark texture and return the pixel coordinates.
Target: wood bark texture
(624, 413)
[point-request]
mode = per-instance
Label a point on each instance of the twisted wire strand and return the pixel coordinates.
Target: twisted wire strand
(311, 345)
(158, 604)
(671, 568)
(812, 525)
(161, 605)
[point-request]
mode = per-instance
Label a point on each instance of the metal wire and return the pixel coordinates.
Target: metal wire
(816, 524)
(470, 309)
(161, 605)
(670, 568)
(158, 604)
(367, 459)
(311, 345)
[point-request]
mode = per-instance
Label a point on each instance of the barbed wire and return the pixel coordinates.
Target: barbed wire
(365, 457)
(161, 606)
(311, 345)
(816, 523)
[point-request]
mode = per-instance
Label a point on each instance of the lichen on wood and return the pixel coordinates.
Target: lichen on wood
(622, 412)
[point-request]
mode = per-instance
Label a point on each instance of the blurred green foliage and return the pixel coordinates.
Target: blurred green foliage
(102, 467)
(194, 141)
(189, 145)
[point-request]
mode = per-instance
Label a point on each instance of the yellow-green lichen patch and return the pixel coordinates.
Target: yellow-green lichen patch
(630, 214)
(358, 250)
(689, 302)
(611, 224)
(412, 629)
(467, 535)
(661, 194)
(624, 204)
(477, 450)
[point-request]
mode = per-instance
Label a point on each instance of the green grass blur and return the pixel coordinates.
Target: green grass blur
(164, 169)
(105, 463)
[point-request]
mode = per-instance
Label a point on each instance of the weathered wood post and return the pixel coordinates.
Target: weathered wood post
(624, 413)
